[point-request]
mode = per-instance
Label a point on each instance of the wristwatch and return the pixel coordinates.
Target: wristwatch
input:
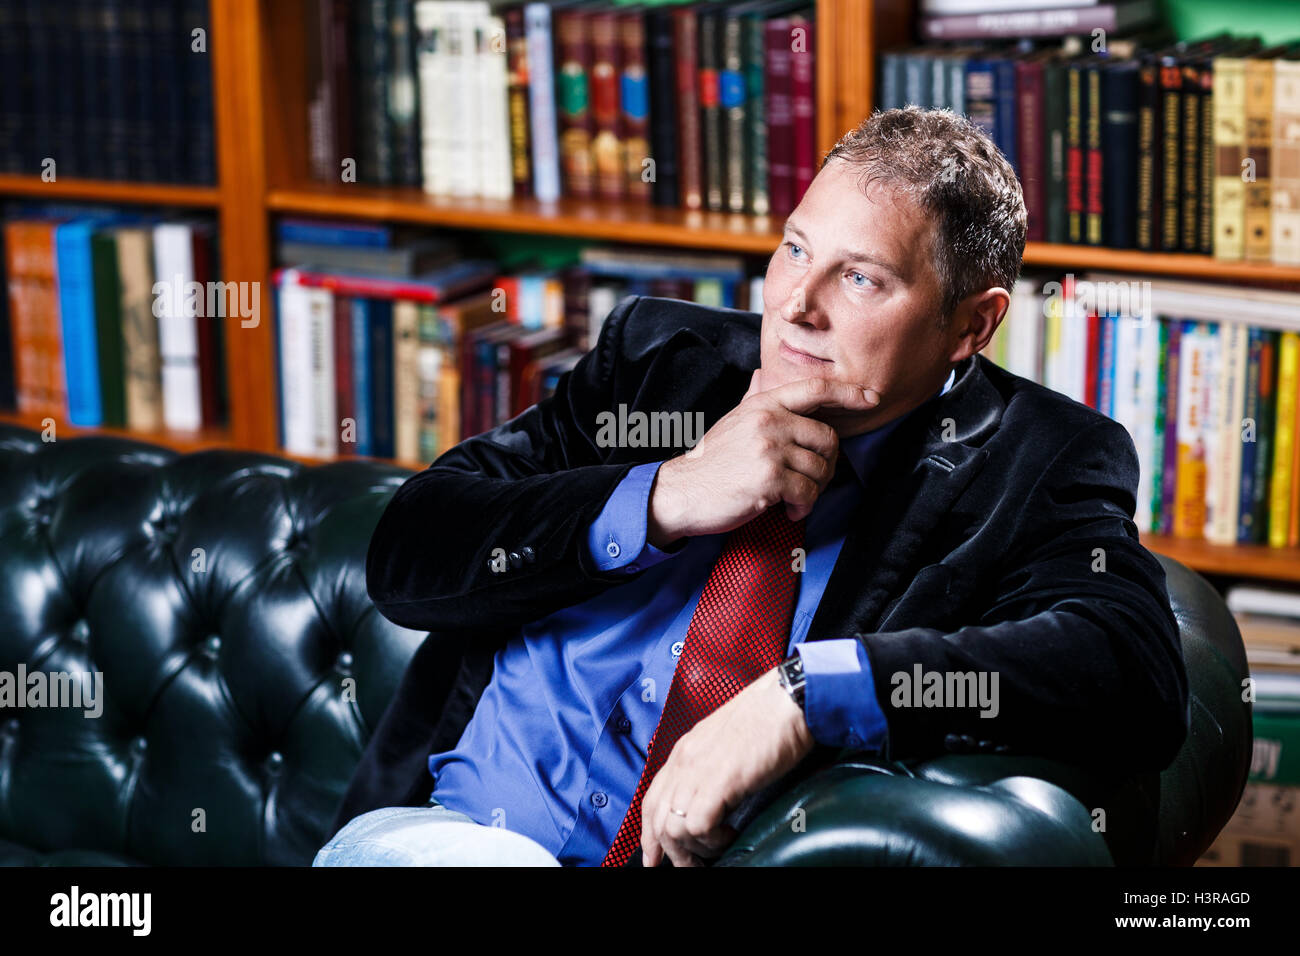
(790, 673)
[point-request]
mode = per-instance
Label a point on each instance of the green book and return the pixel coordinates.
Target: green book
(108, 327)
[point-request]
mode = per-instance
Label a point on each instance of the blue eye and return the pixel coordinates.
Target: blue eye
(859, 275)
(794, 248)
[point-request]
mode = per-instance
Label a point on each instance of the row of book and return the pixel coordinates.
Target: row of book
(107, 89)
(1185, 147)
(697, 105)
(1205, 378)
(106, 321)
(404, 366)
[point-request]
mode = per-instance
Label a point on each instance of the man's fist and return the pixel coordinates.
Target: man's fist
(767, 449)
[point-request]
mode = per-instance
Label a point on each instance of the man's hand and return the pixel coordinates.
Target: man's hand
(765, 450)
(748, 742)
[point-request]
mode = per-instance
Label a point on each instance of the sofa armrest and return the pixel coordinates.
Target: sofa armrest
(993, 811)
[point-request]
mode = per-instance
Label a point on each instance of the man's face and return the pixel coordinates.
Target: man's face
(851, 294)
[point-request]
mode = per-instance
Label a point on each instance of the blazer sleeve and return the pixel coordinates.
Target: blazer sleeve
(1078, 632)
(530, 487)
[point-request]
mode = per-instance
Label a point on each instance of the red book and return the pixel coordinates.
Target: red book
(690, 164)
(1093, 353)
(344, 391)
(573, 99)
(607, 141)
(1030, 126)
(780, 119)
(212, 392)
(803, 103)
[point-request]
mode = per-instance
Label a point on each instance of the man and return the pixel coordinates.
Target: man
(870, 500)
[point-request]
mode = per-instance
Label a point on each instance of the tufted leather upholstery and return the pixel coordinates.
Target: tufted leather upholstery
(242, 680)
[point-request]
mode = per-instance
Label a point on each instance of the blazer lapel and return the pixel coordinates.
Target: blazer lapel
(923, 468)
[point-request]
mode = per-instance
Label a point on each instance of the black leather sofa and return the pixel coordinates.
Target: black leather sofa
(222, 596)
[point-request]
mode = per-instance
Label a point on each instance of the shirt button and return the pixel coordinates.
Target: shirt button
(612, 549)
(677, 648)
(623, 725)
(598, 799)
(854, 740)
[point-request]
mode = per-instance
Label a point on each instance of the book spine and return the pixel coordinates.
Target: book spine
(574, 98)
(201, 147)
(1033, 145)
(107, 295)
(541, 103)
(1119, 147)
(344, 389)
(1229, 405)
(780, 118)
(517, 82)
(1055, 112)
(1161, 329)
(1173, 386)
(1284, 440)
(1004, 111)
(1193, 441)
(1229, 150)
(661, 63)
(710, 110)
(1190, 153)
(1094, 179)
(76, 294)
(1285, 162)
(380, 314)
(403, 95)
(803, 99)
(690, 163)
(1250, 437)
(634, 105)
(1264, 436)
(1024, 23)
(375, 139)
(361, 368)
(731, 104)
(1147, 232)
(1205, 162)
(1075, 152)
(406, 381)
(1259, 142)
(607, 145)
(1171, 112)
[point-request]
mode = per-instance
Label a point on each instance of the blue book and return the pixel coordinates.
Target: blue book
(361, 374)
(331, 233)
(1004, 110)
(381, 382)
(1106, 367)
(76, 287)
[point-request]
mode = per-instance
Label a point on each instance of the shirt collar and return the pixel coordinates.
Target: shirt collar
(860, 450)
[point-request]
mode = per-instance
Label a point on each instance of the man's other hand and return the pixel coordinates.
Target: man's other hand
(767, 449)
(753, 739)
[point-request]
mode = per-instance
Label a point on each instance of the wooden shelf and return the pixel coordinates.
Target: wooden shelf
(161, 194)
(182, 441)
(1229, 560)
(574, 218)
(1155, 263)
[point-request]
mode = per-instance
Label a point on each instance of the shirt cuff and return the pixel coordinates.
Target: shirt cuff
(840, 702)
(616, 540)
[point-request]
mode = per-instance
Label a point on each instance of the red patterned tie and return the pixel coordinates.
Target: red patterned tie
(740, 629)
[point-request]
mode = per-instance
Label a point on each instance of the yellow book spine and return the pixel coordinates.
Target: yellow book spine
(1279, 502)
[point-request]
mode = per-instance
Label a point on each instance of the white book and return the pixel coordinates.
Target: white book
(756, 294)
(1285, 162)
(1025, 343)
(1212, 363)
(1231, 404)
(1077, 331)
(600, 302)
(294, 318)
(498, 183)
(1148, 381)
(938, 8)
(431, 33)
(178, 331)
(541, 103)
(323, 410)
(1275, 602)
(459, 97)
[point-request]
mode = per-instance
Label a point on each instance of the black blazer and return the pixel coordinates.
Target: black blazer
(998, 538)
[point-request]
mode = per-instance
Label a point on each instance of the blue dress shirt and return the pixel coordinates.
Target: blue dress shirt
(558, 741)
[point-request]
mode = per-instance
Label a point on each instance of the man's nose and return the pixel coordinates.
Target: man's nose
(804, 303)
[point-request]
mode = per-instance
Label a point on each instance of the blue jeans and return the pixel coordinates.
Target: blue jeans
(431, 835)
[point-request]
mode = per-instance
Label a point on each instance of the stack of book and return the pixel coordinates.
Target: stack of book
(1182, 147)
(109, 321)
(698, 105)
(394, 346)
(1206, 378)
(107, 90)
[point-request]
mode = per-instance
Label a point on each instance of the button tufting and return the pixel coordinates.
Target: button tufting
(274, 762)
(80, 632)
(139, 745)
(11, 727)
(212, 647)
(344, 662)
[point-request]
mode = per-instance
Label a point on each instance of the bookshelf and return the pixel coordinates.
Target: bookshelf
(257, 53)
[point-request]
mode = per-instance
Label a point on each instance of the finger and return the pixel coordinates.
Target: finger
(809, 463)
(814, 435)
(755, 383)
(716, 841)
(809, 394)
(799, 492)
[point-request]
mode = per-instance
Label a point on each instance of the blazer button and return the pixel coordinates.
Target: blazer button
(528, 553)
(985, 745)
(516, 560)
(955, 744)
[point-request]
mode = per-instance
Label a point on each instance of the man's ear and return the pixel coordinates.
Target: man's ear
(975, 320)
